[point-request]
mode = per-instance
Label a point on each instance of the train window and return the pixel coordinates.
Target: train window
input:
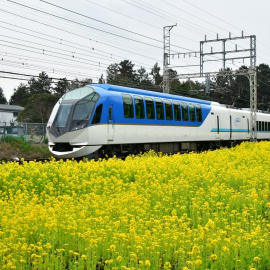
(257, 123)
(83, 110)
(265, 124)
(248, 125)
(62, 116)
(93, 97)
(97, 115)
(260, 125)
(176, 108)
(79, 93)
(159, 109)
(139, 107)
(150, 110)
(191, 112)
(168, 110)
(198, 112)
(110, 113)
(268, 126)
(128, 106)
(184, 111)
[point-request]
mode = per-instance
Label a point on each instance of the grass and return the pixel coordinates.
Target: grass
(16, 147)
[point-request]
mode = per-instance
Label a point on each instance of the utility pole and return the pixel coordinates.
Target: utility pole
(224, 52)
(166, 58)
(251, 74)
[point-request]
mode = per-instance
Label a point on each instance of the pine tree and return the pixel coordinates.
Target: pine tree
(3, 100)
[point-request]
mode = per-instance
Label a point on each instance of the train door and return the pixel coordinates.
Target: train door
(110, 122)
(230, 126)
(248, 128)
(218, 126)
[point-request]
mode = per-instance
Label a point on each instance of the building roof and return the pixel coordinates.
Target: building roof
(10, 108)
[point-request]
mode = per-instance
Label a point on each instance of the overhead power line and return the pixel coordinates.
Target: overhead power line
(88, 17)
(41, 51)
(87, 38)
(28, 75)
(107, 56)
(128, 16)
(85, 25)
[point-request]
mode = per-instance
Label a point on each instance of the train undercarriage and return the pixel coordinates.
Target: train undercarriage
(123, 150)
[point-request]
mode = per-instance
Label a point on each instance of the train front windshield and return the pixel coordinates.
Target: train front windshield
(75, 111)
(62, 116)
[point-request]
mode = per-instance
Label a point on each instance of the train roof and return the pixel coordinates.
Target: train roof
(122, 89)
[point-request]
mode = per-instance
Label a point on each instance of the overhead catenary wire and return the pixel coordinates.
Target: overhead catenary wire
(104, 31)
(130, 17)
(72, 53)
(151, 7)
(93, 33)
(208, 13)
(42, 51)
(107, 56)
(23, 59)
(165, 15)
(85, 25)
(78, 35)
(28, 75)
(44, 68)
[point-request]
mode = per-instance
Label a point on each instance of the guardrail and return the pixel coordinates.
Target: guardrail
(29, 132)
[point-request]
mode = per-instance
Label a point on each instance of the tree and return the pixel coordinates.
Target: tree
(143, 79)
(126, 70)
(20, 96)
(3, 100)
(41, 85)
(101, 80)
(85, 82)
(61, 87)
(112, 73)
(142, 74)
(79, 83)
(263, 86)
(156, 75)
(240, 90)
(38, 108)
(122, 74)
(224, 83)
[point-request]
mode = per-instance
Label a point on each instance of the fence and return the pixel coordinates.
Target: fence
(29, 132)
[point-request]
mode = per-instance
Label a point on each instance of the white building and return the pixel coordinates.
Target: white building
(9, 113)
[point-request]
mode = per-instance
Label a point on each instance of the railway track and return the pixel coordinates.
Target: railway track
(25, 160)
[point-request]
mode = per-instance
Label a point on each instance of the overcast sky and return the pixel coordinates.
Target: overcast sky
(79, 39)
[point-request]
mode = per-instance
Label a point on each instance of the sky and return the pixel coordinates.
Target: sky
(80, 39)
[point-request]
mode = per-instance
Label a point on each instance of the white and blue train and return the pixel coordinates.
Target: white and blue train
(102, 119)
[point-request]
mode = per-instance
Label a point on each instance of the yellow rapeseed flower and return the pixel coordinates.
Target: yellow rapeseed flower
(147, 263)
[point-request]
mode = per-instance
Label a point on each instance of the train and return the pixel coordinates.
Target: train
(103, 120)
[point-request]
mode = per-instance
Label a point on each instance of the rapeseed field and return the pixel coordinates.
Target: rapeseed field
(194, 211)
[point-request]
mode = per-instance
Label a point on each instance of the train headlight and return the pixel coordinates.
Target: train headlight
(78, 127)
